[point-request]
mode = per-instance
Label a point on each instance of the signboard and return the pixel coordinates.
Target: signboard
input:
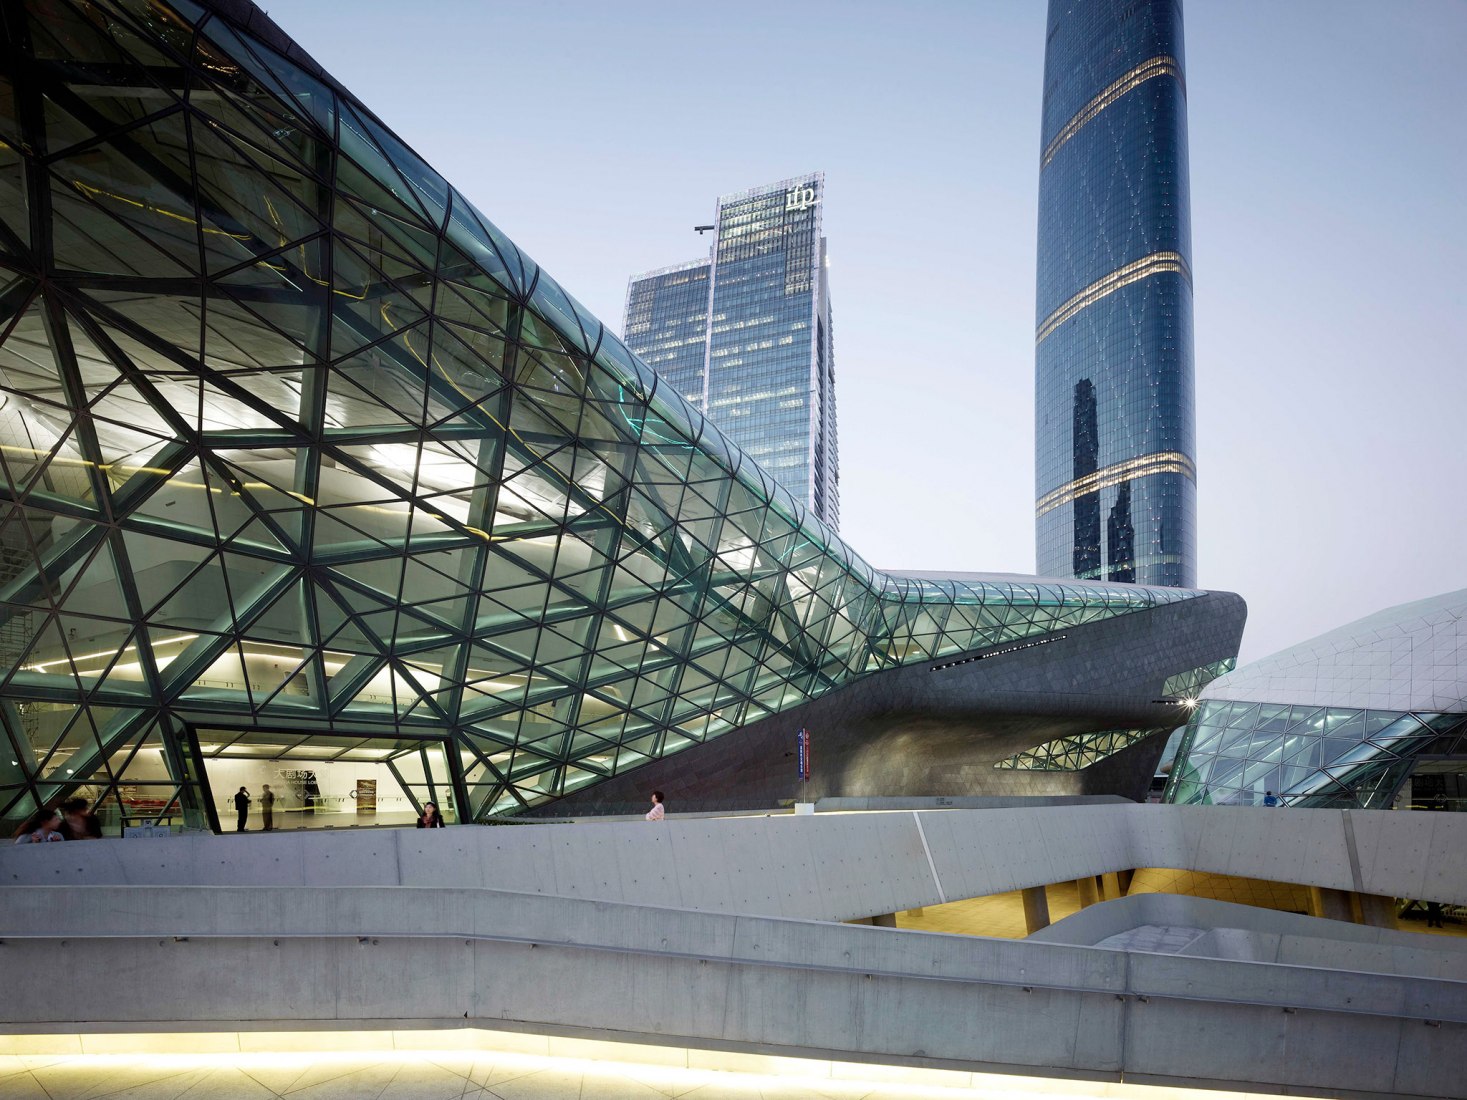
(802, 740)
(366, 796)
(130, 831)
(798, 199)
(303, 786)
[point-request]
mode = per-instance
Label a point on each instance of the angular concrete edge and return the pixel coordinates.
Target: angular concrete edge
(822, 866)
(212, 956)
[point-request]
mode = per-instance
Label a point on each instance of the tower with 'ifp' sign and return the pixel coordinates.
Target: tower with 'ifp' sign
(745, 335)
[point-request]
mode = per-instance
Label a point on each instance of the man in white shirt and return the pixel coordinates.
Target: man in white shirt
(656, 813)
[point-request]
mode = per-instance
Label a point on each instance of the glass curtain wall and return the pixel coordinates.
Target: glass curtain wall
(1115, 469)
(292, 437)
(1234, 753)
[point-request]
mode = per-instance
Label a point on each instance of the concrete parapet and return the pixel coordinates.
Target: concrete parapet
(232, 958)
(825, 867)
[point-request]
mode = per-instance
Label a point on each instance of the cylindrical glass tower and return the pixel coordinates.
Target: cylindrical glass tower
(1115, 472)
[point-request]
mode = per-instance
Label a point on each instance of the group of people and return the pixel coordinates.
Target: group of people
(242, 802)
(71, 820)
(429, 819)
(74, 819)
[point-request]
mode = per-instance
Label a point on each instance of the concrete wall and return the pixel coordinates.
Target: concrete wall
(823, 867)
(269, 957)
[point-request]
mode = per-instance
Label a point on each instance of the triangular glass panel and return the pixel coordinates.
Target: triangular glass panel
(86, 38)
(14, 195)
(278, 86)
(159, 567)
(152, 207)
(70, 743)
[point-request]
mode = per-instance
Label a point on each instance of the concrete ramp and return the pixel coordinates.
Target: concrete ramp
(823, 867)
(379, 958)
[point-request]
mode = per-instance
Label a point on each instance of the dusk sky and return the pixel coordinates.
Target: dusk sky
(1328, 174)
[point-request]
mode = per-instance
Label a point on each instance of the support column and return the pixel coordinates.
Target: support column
(1330, 904)
(1110, 883)
(1036, 909)
(1089, 895)
(1377, 911)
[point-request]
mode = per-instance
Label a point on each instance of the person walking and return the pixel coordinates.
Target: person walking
(1269, 798)
(242, 807)
(657, 812)
(78, 822)
(267, 809)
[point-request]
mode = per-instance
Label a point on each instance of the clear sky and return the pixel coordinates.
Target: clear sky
(1329, 170)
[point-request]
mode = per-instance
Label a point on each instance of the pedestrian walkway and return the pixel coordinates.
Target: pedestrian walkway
(495, 1075)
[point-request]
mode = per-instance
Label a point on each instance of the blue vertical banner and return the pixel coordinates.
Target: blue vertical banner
(802, 741)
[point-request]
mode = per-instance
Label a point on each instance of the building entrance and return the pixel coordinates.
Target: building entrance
(1439, 784)
(322, 781)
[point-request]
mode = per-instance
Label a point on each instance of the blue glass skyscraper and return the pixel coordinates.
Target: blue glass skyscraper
(667, 322)
(757, 356)
(1115, 470)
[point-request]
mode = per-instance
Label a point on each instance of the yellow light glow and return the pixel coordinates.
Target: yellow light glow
(101, 654)
(95, 193)
(599, 1063)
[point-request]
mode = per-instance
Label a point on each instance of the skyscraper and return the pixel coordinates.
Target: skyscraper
(1115, 473)
(745, 335)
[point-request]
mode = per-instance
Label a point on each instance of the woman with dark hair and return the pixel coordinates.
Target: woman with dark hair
(40, 827)
(430, 818)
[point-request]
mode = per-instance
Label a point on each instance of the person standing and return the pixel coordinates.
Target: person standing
(267, 808)
(430, 818)
(242, 807)
(1269, 798)
(656, 813)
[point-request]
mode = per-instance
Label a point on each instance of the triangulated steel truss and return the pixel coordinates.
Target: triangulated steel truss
(300, 452)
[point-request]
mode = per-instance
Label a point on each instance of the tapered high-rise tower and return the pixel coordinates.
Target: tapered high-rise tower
(745, 335)
(1115, 476)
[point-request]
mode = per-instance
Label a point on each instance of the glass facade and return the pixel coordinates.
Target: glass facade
(1233, 753)
(304, 460)
(1077, 752)
(667, 325)
(1194, 680)
(767, 376)
(1115, 469)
